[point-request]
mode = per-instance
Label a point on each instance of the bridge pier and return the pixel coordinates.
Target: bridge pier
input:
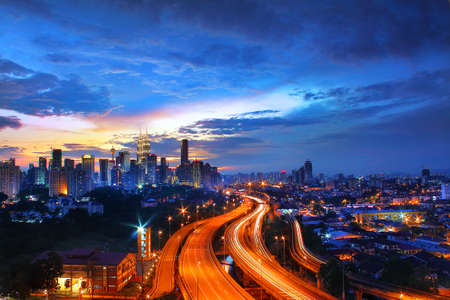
(318, 281)
(358, 294)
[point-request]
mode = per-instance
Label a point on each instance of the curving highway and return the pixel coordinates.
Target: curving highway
(298, 250)
(201, 274)
(244, 241)
(164, 280)
(361, 285)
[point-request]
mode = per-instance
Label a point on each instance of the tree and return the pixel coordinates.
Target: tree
(17, 281)
(312, 241)
(3, 197)
(330, 274)
(318, 209)
(401, 272)
(46, 271)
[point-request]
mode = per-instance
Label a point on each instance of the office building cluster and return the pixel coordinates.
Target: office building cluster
(68, 178)
(145, 170)
(300, 176)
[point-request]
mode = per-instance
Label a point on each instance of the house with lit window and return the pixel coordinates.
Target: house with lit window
(89, 271)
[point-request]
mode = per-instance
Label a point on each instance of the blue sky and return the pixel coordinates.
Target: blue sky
(355, 86)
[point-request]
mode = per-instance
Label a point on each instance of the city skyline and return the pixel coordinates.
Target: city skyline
(358, 88)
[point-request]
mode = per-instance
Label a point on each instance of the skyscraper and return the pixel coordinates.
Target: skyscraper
(57, 183)
(69, 167)
(143, 147)
(43, 163)
(308, 171)
(163, 170)
(123, 161)
(184, 151)
(88, 163)
(56, 159)
(196, 173)
(41, 172)
(106, 166)
(69, 164)
(9, 178)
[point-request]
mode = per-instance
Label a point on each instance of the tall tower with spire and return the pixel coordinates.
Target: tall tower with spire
(143, 146)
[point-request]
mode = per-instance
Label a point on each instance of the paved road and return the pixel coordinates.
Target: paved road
(164, 281)
(245, 243)
(201, 274)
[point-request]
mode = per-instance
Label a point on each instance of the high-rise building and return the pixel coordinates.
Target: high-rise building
(445, 191)
(151, 169)
(184, 151)
(163, 170)
(69, 173)
(69, 164)
(308, 171)
(123, 161)
(106, 166)
(41, 172)
(301, 176)
(425, 172)
(57, 184)
(81, 182)
(9, 178)
(56, 159)
(88, 165)
(196, 173)
(43, 163)
(143, 147)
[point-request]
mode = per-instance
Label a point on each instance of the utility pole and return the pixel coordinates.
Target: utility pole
(198, 263)
(343, 285)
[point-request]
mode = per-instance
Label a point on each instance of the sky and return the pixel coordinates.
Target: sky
(358, 87)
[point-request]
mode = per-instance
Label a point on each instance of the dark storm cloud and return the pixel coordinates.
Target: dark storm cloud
(9, 122)
(31, 92)
(242, 125)
(343, 30)
(422, 87)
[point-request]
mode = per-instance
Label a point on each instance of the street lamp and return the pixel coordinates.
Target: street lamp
(224, 247)
(169, 218)
(284, 248)
(278, 246)
(159, 239)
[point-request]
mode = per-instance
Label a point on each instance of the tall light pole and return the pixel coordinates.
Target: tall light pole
(224, 247)
(343, 285)
(169, 218)
(159, 239)
(284, 249)
(278, 246)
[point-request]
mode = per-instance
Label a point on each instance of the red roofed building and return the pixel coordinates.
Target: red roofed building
(88, 271)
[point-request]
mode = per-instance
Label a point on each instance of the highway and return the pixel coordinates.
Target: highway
(201, 274)
(361, 285)
(246, 245)
(298, 250)
(164, 280)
